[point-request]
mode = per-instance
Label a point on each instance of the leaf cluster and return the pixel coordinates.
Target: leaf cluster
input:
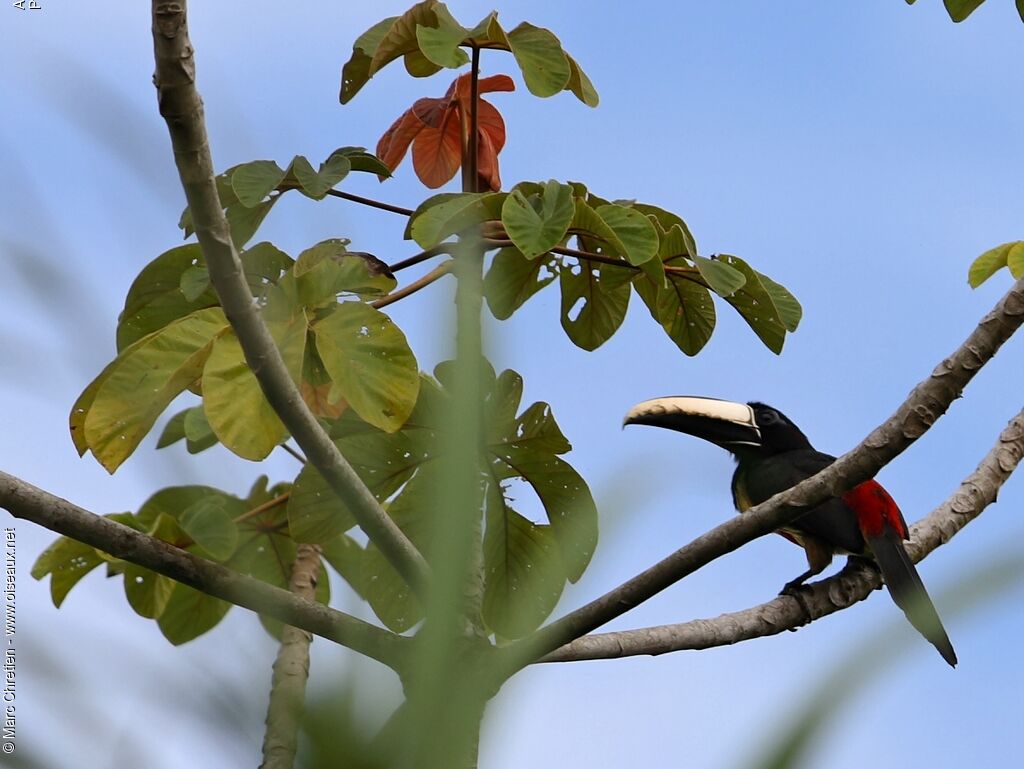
(623, 247)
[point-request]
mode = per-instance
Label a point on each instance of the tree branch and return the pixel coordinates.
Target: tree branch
(853, 584)
(926, 403)
(291, 670)
(181, 107)
(25, 501)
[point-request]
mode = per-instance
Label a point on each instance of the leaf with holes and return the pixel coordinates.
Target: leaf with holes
(512, 279)
(684, 309)
(755, 304)
(369, 362)
(591, 312)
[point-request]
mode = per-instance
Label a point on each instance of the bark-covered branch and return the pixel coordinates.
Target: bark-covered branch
(182, 109)
(291, 670)
(25, 501)
(926, 403)
(851, 585)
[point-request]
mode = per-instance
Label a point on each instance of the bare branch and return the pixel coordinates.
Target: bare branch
(926, 403)
(291, 670)
(851, 585)
(25, 501)
(182, 109)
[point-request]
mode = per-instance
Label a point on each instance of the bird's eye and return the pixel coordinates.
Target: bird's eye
(767, 417)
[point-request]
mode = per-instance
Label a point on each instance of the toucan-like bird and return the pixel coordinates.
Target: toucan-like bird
(772, 455)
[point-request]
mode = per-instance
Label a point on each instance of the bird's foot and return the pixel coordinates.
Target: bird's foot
(798, 591)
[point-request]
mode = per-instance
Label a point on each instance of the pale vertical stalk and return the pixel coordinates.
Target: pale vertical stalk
(446, 694)
(291, 670)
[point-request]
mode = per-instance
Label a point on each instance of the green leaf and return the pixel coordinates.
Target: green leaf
(208, 521)
(1015, 260)
(190, 613)
(244, 221)
(539, 55)
(316, 184)
(1020, 9)
(346, 557)
(364, 161)
(328, 269)
(418, 65)
(191, 426)
(315, 513)
(448, 213)
(196, 427)
(253, 181)
(356, 72)
(580, 84)
(172, 501)
(512, 279)
(789, 309)
(993, 260)
(523, 573)
(369, 362)
(667, 223)
(146, 377)
(566, 498)
(387, 592)
(634, 231)
(591, 312)
(195, 281)
(233, 400)
(720, 277)
(147, 592)
(66, 561)
(684, 309)
(960, 9)
(756, 305)
(173, 431)
(538, 223)
(440, 44)
(156, 296)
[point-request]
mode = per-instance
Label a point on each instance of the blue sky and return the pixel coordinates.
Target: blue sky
(860, 153)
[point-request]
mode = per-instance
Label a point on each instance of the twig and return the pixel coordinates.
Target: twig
(372, 203)
(25, 501)
(270, 504)
(293, 452)
(444, 248)
(291, 670)
(182, 108)
(928, 401)
(438, 272)
(853, 584)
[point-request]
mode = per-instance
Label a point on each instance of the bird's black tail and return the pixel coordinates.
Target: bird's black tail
(908, 592)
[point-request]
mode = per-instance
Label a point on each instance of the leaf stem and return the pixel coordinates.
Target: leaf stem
(438, 272)
(270, 504)
(443, 248)
(371, 202)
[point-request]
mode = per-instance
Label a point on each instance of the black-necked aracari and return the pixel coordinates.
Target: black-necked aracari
(772, 455)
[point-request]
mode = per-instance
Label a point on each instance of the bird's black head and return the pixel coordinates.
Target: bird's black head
(778, 433)
(745, 429)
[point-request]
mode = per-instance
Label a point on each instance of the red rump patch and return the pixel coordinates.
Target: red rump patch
(874, 508)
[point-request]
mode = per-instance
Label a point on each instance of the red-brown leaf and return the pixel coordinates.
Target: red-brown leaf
(487, 162)
(437, 152)
(490, 121)
(395, 142)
